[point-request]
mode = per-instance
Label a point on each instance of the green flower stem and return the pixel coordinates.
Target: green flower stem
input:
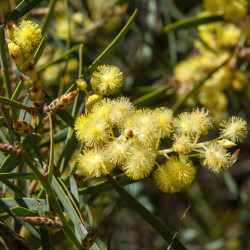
(4, 63)
(146, 215)
(165, 151)
(51, 157)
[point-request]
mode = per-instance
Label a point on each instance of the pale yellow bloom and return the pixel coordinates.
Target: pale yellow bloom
(28, 35)
(216, 158)
(234, 129)
(182, 144)
(106, 80)
(94, 163)
(140, 162)
(175, 174)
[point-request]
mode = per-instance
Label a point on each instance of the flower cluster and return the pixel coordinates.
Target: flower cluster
(219, 38)
(117, 135)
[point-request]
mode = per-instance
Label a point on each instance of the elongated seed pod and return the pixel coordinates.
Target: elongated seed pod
(62, 102)
(90, 239)
(9, 149)
(22, 127)
(43, 222)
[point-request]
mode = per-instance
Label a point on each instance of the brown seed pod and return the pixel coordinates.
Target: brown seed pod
(43, 222)
(90, 239)
(32, 111)
(63, 101)
(22, 127)
(9, 149)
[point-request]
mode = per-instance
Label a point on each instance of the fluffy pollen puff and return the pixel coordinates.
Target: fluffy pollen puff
(106, 80)
(140, 162)
(116, 151)
(164, 117)
(94, 163)
(234, 129)
(216, 158)
(182, 144)
(28, 35)
(197, 122)
(144, 127)
(175, 174)
(91, 131)
(121, 109)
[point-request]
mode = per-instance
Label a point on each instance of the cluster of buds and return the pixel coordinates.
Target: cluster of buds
(43, 222)
(22, 40)
(22, 127)
(9, 149)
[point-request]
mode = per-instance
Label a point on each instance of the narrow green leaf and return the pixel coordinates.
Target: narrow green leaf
(29, 203)
(23, 8)
(12, 103)
(146, 99)
(105, 186)
(5, 206)
(18, 192)
(74, 192)
(12, 161)
(146, 215)
(192, 22)
(17, 176)
(112, 45)
(69, 208)
(51, 154)
(21, 211)
(39, 50)
(1, 121)
(4, 63)
(59, 59)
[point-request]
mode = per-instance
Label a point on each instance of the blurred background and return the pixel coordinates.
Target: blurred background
(159, 69)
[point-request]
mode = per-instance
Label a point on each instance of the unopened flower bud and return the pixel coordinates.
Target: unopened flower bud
(92, 100)
(63, 101)
(226, 143)
(16, 55)
(35, 93)
(9, 149)
(28, 83)
(81, 84)
(22, 127)
(43, 222)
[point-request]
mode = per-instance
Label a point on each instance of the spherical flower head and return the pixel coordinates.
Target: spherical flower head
(106, 80)
(197, 122)
(216, 158)
(164, 118)
(143, 125)
(90, 130)
(234, 129)
(93, 163)
(182, 144)
(120, 109)
(116, 151)
(140, 162)
(28, 35)
(175, 174)
(235, 10)
(101, 110)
